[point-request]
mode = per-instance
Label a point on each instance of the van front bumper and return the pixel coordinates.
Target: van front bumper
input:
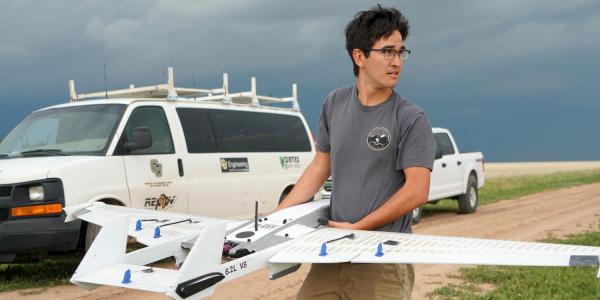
(37, 235)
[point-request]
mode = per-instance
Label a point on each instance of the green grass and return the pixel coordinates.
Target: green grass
(488, 282)
(46, 273)
(513, 187)
(49, 272)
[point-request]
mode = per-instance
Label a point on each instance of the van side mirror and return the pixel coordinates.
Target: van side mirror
(140, 139)
(438, 153)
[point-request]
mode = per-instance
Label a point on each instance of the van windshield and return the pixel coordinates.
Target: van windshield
(84, 129)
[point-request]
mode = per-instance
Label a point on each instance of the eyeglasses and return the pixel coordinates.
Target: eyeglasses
(389, 53)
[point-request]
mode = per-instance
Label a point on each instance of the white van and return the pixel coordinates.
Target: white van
(211, 153)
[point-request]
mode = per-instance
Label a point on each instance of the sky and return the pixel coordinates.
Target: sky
(516, 80)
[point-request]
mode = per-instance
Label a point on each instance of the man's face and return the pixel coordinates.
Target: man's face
(378, 71)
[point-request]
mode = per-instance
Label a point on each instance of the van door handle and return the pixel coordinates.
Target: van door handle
(443, 165)
(459, 163)
(180, 166)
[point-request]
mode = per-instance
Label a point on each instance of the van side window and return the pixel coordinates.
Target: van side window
(275, 132)
(243, 131)
(155, 119)
(198, 132)
(229, 130)
(443, 142)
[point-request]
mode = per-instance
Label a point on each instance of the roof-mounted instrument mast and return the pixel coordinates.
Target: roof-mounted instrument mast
(171, 92)
(225, 92)
(170, 84)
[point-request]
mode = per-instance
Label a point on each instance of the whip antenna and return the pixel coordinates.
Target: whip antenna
(104, 66)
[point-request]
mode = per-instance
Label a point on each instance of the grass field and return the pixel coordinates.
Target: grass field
(486, 282)
(57, 271)
(54, 271)
(514, 187)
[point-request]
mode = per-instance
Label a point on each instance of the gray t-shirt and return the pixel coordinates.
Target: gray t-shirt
(369, 147)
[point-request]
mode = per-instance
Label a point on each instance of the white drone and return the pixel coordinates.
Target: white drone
(211, 251)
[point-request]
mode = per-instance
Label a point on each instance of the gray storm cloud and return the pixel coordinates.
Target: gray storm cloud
(490, 55)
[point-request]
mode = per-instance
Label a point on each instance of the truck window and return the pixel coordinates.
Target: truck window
(198, 132)
(154, 118)
(243, 131)
(443, 142)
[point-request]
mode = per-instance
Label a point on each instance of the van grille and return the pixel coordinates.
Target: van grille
(5, 191)
(3, 214)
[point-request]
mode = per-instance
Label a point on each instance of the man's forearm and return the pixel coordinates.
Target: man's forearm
(401, 203)
(308, 184)
(414, 193)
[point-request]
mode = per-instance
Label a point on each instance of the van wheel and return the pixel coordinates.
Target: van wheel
(416, 214)
(285, 193)
(91, 232)
(467, 202)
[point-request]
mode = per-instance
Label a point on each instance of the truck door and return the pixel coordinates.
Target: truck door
(446, 175)
(153, 176)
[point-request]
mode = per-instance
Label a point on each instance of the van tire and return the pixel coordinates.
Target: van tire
(91, 231)
(467, 202)
(416, 214)
(285, 193)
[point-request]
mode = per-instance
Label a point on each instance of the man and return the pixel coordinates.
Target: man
(379, 149)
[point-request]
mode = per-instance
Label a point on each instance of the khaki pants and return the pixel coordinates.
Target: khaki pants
(358, 281)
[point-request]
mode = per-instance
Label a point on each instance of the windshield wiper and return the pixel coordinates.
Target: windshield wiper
(48, 152)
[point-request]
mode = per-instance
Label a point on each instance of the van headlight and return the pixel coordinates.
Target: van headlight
(36, 193)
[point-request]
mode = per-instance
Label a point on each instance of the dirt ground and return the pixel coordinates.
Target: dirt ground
(534, 217)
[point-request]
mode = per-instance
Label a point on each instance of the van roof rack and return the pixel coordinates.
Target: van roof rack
(169, 91)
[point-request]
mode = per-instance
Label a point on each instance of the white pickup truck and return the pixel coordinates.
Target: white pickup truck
(455, 175)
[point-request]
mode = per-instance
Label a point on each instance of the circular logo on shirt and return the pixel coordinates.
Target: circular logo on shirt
(379, 138)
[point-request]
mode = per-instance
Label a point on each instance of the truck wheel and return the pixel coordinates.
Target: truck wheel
(91, 232)
(467, 202)
(416, 214)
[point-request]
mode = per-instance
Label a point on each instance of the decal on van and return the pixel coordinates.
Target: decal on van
(288, 162)
(156, 167)
(236, 164)
(161, 202)
(158, 183)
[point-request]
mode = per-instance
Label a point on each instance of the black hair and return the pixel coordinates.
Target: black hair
(369, 26)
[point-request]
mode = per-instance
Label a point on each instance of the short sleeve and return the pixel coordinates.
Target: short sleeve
(323, 143)
(416, 147)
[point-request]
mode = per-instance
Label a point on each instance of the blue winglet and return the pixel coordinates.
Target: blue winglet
(323, 250)
(138, 225)
(126, 277)
(156, 232)
(379, 252)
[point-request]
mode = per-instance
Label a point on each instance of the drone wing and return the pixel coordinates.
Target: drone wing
(108, 262)
(143, 222)
(336, 245)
